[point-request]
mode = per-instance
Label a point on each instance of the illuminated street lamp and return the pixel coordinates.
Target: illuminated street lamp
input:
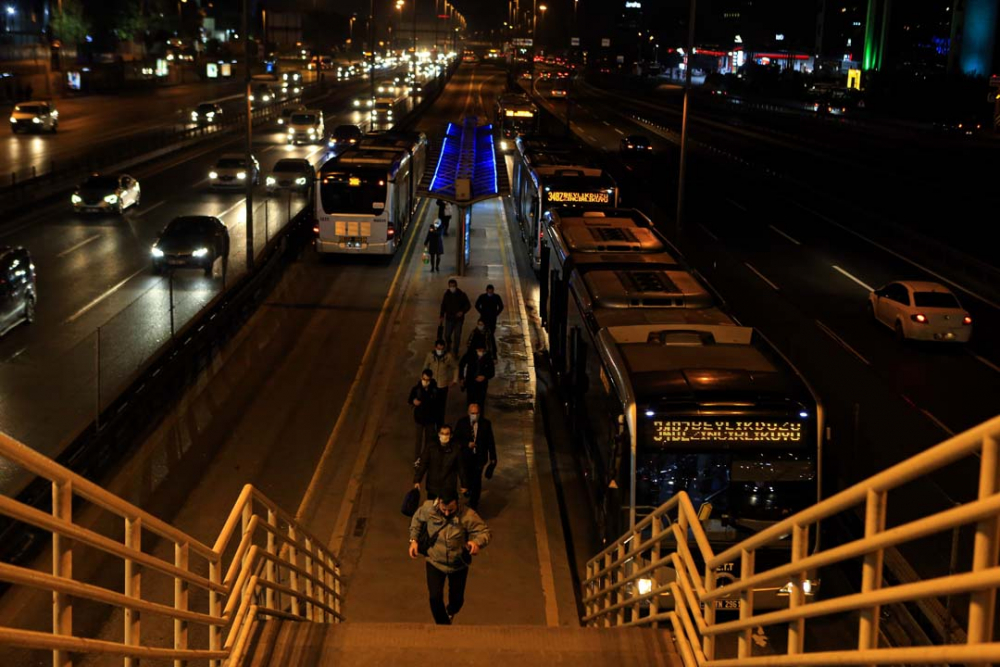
(399, 6)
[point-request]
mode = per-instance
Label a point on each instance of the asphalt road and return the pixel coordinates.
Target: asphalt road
(99, 304)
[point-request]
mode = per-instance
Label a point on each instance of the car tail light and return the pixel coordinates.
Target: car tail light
(919, 317)
(966, 320)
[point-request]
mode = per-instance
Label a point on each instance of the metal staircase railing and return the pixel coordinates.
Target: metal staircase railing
(666, 571)
(277, 569)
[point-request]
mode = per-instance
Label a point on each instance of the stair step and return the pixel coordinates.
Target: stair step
(373, 644)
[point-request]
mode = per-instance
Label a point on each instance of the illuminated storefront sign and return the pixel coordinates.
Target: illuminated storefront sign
(559, 197)
(724, 431)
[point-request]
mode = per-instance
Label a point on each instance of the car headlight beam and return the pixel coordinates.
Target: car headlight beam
(111, 199)
(213, 175)
(200, 252)
(300, 180)
(76, 199)
(242, 175)
(271, 180)
(156, 252)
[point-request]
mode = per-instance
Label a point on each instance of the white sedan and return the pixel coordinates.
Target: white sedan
(920, 310)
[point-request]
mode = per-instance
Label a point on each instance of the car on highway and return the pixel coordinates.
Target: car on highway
(559, 90)
(191, 241)
(635, 144)
(34, 117)
(262, 95)
(959, 126)
(287, 112)
(17, 288)
(306, 127)
(207, 113)
(106, 193)
(231, 171)
(363, 102)
(291, 174)
(345, 135)
(920, 310)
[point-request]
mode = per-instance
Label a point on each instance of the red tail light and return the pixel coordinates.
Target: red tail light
(919, 317)
(966, 320)
(316, 230)
(390, 233)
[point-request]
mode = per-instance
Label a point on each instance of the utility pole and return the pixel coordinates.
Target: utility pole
(248, 155)
(371, 62)
(414, 31)
(684, 119)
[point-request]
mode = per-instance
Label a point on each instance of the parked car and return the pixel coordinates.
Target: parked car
(106, 193)
(17, 288)
(920, 310)
(291, 174)
(34, 117)
(191, 241)
(231, 171)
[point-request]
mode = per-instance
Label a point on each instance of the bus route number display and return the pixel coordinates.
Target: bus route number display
(563, 197)
(725, 431)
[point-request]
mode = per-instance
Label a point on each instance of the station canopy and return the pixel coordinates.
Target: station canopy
(466, 168)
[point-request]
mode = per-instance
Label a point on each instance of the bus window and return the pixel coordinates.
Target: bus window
(353, 194)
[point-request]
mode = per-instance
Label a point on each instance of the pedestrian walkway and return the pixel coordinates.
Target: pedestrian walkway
(522, 577)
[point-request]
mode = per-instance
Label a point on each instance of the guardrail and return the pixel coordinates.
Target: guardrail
(299, 580)
(669, 556)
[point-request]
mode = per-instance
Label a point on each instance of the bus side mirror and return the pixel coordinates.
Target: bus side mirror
(704, 512)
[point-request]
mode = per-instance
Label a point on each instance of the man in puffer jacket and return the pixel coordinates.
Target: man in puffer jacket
(456, 534)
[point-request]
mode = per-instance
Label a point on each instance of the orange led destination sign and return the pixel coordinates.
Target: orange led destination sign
(705, 431)
(561, 197)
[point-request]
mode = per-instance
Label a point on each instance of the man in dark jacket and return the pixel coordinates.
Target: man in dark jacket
(434, 245)
(481, 335)
(454, 305)
(489, 305)
(441, 465)
(474, 373)
(424, 399)
(457, 533)
(474, 435)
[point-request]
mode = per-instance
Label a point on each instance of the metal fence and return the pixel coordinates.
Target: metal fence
(665, 570)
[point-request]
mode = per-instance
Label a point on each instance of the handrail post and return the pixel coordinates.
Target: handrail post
(606, 580)
(215, 608)
(588, 591)
(293, 577)
(62, 566)
(654, 602)
(984, 554)
(797, 596)
(133, 586)
(181, 560)
(708, 641)
(871, 572)
(272, 520)
(745, 640)
(337, 589)
(620, 591)
(308, 565)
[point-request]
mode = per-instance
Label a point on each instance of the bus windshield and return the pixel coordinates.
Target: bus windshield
(360, 192)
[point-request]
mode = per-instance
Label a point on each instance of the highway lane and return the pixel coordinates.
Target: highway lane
(95, 284)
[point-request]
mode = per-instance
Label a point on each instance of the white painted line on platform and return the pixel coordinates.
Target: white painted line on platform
(762, 276)
(150, 208)
(897, 255)
(77, 246)
(778, 231)
(83, 311)
(985, 361)
(829, 332)
(857, 280)
(709, 232)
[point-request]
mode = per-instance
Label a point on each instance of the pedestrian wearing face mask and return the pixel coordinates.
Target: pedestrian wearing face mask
(482, 335)
(441, 466)
(445, 368)
(454, 305)
(489, 305)
(434, 245)
(474, 436)
(423, 398)
(456, 534)
(474, 373)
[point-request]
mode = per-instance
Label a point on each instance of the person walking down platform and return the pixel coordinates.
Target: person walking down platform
(434, 245)
(489, 305)
(454, 534)
(481, 336)
(424, 399)
(474, 373)
(441, 465)
(454, 305)
(474, 435)
(445, 367)
(443, 215)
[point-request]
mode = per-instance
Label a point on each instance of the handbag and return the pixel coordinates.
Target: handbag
(411, 501)
(427, 257)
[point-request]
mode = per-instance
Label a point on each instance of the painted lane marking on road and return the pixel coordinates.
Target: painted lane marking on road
(592, 137)
(840, 341)
(83, 311)
(619, 131)
(897, 255)
(778, 231)
(606, 123)
(77, 246)
(857, 280)
(984, 361)
(150, 208)
(709, 232)
(762, 276)
(737, 204)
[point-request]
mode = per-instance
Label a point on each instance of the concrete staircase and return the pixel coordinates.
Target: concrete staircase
(292, 644)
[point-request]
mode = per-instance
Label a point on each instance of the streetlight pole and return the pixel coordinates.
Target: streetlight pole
(684, 119)
(399, 24)
(414, 31)
(248, 156)
(371, 60)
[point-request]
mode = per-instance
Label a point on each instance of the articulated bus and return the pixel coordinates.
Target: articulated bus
(364, 202)
(549, 173)
(516, 115)
(414, 143)
(666, 392)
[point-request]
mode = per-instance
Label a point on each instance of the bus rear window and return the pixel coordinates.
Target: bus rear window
(344, 192)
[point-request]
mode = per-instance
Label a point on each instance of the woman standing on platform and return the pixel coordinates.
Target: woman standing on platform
(435, 245)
